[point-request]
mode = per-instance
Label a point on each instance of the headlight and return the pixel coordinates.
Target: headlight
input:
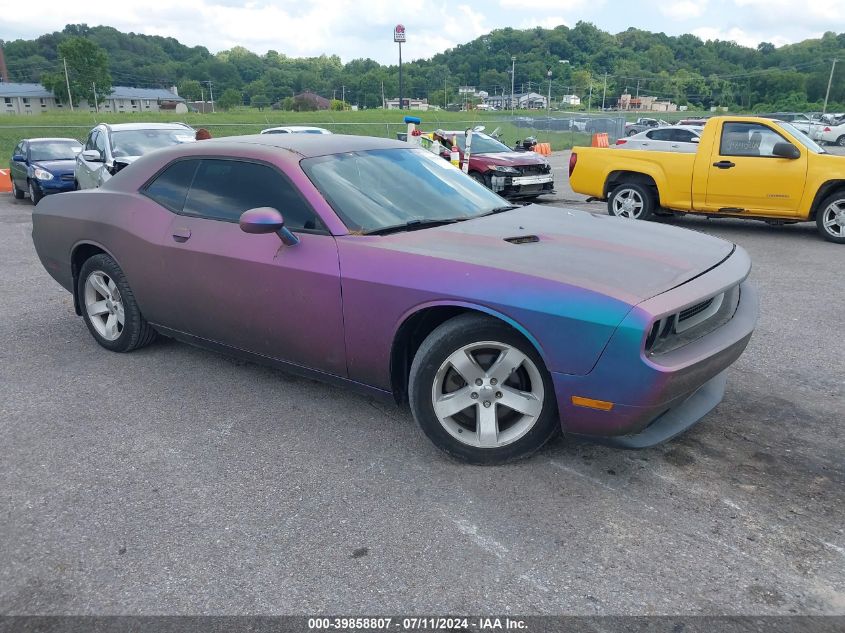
(505, 170)
(42, 174)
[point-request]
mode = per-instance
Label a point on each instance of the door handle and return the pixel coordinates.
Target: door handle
(724, 164)
(181, 234)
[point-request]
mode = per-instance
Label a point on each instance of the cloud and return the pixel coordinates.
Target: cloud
(684, 10)
(739, 36)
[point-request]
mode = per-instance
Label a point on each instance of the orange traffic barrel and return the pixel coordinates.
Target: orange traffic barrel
(600, 140)
(5, 181)
(543, 148)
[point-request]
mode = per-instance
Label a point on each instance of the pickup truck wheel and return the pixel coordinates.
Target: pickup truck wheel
(830, 219)
(631, 200)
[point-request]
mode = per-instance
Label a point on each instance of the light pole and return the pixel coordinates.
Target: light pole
(549, 98)
(829, 81)
(513, 70)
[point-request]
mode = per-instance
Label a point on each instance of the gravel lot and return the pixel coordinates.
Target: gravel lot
(173, 480)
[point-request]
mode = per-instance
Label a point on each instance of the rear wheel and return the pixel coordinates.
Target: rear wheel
(109, 307)
(830, 218)
(480, 392)
(631, 200)
(841, 141)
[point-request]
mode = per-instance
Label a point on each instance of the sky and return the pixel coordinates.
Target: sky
(364, 28)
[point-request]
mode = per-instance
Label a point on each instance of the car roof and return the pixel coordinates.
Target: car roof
(309, 145)
(117, 127)
(294, 127)
(50, 139)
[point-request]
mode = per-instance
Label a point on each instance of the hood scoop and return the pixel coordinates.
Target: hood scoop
(523, 239)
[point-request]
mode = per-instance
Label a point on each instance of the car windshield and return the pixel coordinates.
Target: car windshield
(374, 189)
(482, 144)
(139, 142)
(308, 131)
(54, 150)
(801, 137)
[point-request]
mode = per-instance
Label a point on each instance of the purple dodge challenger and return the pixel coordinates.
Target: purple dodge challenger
(380, 266)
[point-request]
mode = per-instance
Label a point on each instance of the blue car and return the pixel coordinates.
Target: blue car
(41, 166)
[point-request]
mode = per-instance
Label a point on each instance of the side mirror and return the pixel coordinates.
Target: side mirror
(19, 158)
(695, 139)
(92, 156)
(267, 220)
(786, 150)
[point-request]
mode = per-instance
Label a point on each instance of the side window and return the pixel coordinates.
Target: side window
(18, 149)
(92, 139)
(748, 139)
(170, 187)
(683, 136)
(660, 135)
(100, 143)
(224, 189)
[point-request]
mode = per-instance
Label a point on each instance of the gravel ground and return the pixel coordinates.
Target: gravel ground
(173, 480)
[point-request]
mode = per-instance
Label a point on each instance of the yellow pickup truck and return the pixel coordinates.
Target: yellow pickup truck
(745, 167)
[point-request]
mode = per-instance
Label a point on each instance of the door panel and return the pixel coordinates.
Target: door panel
(255, 294)
(744, 174)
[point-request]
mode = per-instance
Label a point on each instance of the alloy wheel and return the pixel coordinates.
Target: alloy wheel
(628, 203)
(487, 394)
(104, 305)
(833, 218)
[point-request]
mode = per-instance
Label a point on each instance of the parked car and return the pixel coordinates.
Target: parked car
(41, 166)
(693, 121)
(832, 134)
(373, 264)
(510, 173)
(745, 167)
(800, 121)
(111, 147)
(641, 125)
(672, 138)
(295, 129)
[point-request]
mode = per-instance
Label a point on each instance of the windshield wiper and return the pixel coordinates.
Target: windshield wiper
(509, 207)
(412, 225)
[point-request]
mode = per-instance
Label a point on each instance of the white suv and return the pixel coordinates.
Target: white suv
(110, 147)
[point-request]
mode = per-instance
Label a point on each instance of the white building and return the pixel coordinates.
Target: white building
(408, 104)
(570, 100)
(18, 98)
(521, 101)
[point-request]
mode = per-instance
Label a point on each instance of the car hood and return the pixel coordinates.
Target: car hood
(511, 159)
(126, 159)
(629, 260)
(56, 166)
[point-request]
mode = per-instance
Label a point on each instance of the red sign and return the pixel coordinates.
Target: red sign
(399, 33)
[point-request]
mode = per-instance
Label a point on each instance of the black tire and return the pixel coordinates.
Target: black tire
(836, 232)
(136, 332)
(18, 193)
(479, 178)
(35, 193)
(433, 353)
(630, 132)
(645, 193)
(841, 141)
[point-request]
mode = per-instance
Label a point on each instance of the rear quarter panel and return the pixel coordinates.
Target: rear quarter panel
(671, 171)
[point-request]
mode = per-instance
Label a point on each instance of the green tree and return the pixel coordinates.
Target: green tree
(190, 90)
(259, 101)
(338, 105)
(230, 98)
(87, 65)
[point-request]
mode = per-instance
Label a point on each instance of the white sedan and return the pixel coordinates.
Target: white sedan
(295, 129)
(833, 134)
(669, 138)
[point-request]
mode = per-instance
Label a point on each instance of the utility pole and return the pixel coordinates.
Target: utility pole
(445, 79)
(638, 94)
(549, 99)
(829, 81)
(343, 96)
(210, 93)
(202, 98)
(96, 105)
(513, 75)
(383, 102)
(590, 100)
(604, 92)
(67, 82)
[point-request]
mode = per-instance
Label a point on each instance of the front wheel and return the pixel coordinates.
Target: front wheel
(631, 200)
(34, 192)
(830, 218)
(841, 141)
(109, 307)
(481, 393)
(18, 193)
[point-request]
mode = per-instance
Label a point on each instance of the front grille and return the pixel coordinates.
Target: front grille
(690, 324)
(696, 309)
(533, 170)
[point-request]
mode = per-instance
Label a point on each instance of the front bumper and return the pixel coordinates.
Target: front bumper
(655, 398)
(517, 186)
(56, 185)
